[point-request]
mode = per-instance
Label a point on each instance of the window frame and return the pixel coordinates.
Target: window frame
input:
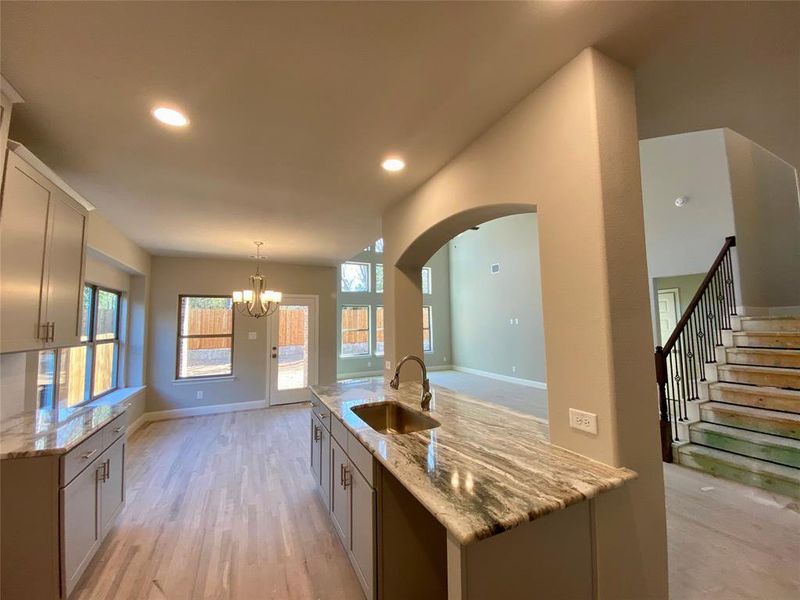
(90, 343)
(375, 351)
(179, 337)
(368, 266)
(429, 309)
(368, 307)
(430, 281)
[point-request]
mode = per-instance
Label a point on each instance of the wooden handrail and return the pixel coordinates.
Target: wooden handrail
(730, 242)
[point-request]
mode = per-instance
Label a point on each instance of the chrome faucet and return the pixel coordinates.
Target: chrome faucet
(426, 384)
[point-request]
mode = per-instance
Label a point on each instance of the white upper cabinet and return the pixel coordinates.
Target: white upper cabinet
(42, 242)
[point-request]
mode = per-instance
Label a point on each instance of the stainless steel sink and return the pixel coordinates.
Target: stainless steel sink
(394, 418)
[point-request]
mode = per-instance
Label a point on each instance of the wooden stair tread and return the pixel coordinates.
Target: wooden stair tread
(752, 411)
(752, 418)
(766, 351)
(759, 369)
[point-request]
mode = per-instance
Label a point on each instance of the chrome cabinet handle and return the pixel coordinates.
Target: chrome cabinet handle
(346, 481)
(44, 329)
(317, 433)
(88, 455)
(108, 469)
(119, 429)
(323, 416)
(52, 329)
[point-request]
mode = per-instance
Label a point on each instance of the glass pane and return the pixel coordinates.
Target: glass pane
(427, 342)
(355, 277)
(355, 330)
(427, 346)
(426, 280)
(105, 367)
(379, 278)
(379, 245)
(107, 307)
(206, 316)
(86, 313)
(292, 347)
(73, 376)
(44, 379)
(426, 317)
(379, 330)
(204, 357)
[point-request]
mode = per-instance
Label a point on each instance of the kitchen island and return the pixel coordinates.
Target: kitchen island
(481, 505)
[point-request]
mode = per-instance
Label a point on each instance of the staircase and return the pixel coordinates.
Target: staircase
(745, 425)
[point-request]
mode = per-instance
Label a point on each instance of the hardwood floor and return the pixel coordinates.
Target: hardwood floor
(221, 507)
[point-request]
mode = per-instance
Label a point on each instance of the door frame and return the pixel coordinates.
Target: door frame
(313, 342)
(676, 293)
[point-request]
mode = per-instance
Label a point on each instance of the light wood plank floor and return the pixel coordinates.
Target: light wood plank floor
(221, 507)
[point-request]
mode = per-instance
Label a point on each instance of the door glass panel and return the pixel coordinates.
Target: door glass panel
(292, 347)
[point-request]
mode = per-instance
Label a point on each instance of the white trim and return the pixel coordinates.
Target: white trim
(10, 92)
(201, 380)
(541, 385)
(198, 411)
(137, 423)
(37, 164)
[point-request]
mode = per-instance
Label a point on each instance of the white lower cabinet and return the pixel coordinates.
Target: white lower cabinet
(81, 524)
(338, 464)
(112, 489)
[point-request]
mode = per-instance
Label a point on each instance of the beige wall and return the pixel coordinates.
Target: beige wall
(739, 67)
(569, 151)
(173, 276)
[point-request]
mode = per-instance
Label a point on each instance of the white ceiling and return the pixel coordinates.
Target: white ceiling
(292, 105)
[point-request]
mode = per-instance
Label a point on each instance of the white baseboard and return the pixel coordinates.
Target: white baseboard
(197, 411)
(441, 368)
(541, 385)
(358, 374)
(137, 423)
(768, 311)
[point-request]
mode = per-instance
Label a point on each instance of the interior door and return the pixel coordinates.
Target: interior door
(293, 350)
(668, 303)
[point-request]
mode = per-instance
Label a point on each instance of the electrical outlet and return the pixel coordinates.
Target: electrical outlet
(514, 369)
(583, 421)
(388, 364)
(199, 394)
(511, 321)
(251, 335)
(369, 363)
(516, 321)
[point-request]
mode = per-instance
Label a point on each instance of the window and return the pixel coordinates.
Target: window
(379, 245)
(355, 277)
(427, 331)
(69, 377)
(379, 331)
(379, 278)
(355, 331)
(205, 337)
(426, 280)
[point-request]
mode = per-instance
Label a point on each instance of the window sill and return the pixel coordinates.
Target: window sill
(117, 396)
(197, 380)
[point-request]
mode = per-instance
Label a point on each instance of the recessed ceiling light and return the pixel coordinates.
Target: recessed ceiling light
(393, 164)
(170, 116)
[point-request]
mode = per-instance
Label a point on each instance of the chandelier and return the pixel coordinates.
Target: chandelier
(257, 301)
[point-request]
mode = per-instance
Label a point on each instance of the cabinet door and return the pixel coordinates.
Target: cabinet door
(325, 468)
(362, 531)
(80, 524)
(23, 233)
(340, 494)
(316, 455)
(65, 269)
(112, 490)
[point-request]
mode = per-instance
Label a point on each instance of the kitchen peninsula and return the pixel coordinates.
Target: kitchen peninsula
(480, 505)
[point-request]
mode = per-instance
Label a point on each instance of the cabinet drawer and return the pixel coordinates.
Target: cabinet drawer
(361, 458)
(323, 413)
(81, 456)
(338, 431)
(115, 429)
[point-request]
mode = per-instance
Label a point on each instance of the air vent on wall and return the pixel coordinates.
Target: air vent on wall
(494, 269)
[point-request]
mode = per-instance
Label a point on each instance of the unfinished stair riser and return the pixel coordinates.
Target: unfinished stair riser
(787, 339)
(772, 448)
(789, 359)
(769, 324)
(759, 376)
(753, 419)
(761, 397)
(775, 478)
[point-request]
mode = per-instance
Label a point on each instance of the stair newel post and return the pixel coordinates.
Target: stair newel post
(663, 407)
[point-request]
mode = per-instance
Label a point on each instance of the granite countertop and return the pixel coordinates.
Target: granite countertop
(57, 431)
(485, 470)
